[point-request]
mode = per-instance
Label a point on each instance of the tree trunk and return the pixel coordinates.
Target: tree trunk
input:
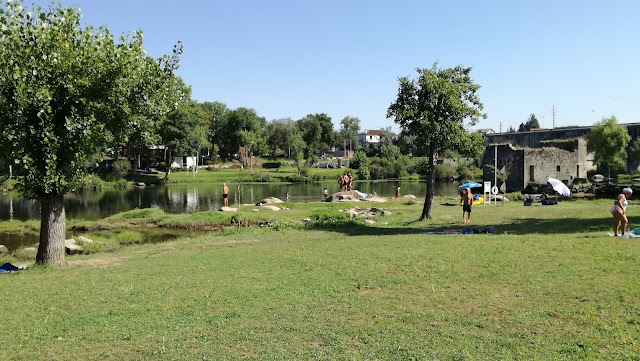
(431, 176)
(52, 231)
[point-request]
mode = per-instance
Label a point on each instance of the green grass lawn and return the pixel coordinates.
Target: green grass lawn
(550, 285)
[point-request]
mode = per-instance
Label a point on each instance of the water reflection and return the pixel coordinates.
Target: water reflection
(189, 198)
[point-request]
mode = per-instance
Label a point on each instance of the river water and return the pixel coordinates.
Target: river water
(190, 198)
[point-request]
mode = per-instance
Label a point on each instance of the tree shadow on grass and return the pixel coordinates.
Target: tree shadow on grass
(516, 227)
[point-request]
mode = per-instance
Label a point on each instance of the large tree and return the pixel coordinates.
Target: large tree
(531, 123)
(236, 121)
(434, 108)
(349, 127)
(217, 113)
(185, 130)
(608, 141)
(279, 136)
(66, 92)
(317, 132)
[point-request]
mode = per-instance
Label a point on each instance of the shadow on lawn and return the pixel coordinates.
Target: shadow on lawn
(517, 227)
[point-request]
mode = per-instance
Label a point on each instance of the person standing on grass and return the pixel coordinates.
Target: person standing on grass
(467, 202)
(225, 194)
(397, 192)
(619, 211)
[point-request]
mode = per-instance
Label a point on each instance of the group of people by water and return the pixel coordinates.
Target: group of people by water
(346, 182)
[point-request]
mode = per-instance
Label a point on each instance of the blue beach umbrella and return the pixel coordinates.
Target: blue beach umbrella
(470, 185)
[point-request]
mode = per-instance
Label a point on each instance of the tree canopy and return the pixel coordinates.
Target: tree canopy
(608, 141)
(434, 108)
(531, 123)
(66, 93)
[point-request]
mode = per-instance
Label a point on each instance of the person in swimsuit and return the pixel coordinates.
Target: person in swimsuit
(467, 202)
(619, 211)
(225, 194)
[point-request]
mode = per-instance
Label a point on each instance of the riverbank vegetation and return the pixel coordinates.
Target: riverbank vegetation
(548, 285)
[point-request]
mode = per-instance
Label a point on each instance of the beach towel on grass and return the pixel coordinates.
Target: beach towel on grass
(626, 235)
(8, 268)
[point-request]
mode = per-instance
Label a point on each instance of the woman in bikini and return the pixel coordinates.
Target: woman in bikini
(619, 211)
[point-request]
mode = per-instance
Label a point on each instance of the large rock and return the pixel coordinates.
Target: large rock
(71, 247)
(410, 196)
(3, 249)
(344, 197)
(375, 199)
(228, 209)
(273, 208)
(369, 221)
(85, 239)
(269, 200)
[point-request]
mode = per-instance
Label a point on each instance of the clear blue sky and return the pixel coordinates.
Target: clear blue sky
(292, 58)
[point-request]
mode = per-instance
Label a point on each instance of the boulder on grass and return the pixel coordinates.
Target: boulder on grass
(369, 221)
(269, 200)
(71, 247)
(410, 196)
(273, 208)
(347, 196)
(228, 209)
(3, 249)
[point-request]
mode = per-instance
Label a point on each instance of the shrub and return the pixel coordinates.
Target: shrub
(514, 196)
(272, 165)
(376, 172)
(409, 202)
(363, 172)
(446, 171)
(119, 169)
(331, 218)
(89, 182)
(296, 178)
(359, 159)
(122, 183)
(304, 171)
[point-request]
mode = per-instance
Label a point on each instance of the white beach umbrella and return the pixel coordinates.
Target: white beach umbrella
(559, 187)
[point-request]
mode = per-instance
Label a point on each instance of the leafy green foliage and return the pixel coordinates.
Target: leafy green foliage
(608, 141)
(446, 171)
(349, 127)
(434, 108)
(317, 132)
(634, 152)
(532, 123)
(66, 92)
(119, 169)
(185, 129)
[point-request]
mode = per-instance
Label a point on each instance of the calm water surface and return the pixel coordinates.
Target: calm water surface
(190, 198)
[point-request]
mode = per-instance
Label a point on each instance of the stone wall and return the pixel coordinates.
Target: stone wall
(564, 160)
(510, 162)
(567, 161)
(532, 139)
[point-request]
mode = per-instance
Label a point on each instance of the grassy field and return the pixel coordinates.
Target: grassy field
(550, 285)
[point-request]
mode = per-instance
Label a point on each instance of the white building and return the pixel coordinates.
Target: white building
(369, 137)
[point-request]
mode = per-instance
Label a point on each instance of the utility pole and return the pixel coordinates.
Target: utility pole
(553, 114)
(500, 127)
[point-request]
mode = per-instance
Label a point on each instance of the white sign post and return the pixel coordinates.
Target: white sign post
(487, 192)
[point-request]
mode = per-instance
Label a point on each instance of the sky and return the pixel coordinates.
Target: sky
(574, 62)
